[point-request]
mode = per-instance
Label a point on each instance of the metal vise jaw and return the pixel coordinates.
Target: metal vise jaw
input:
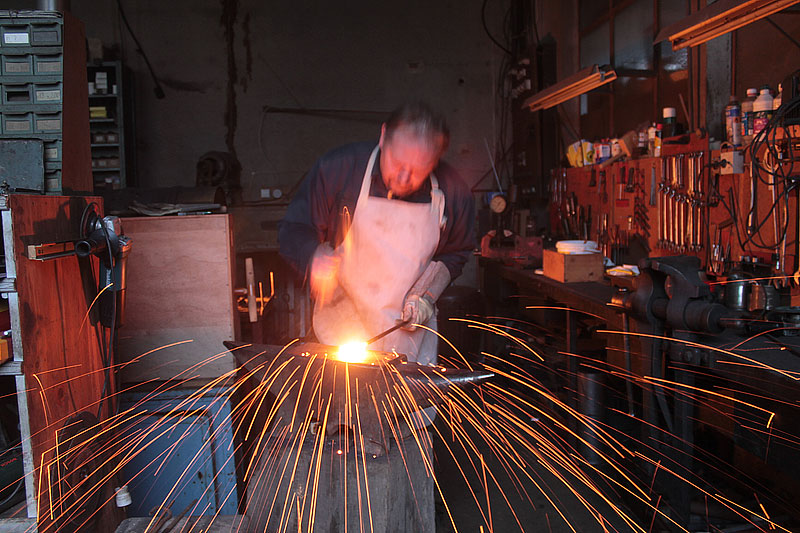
(669, 290)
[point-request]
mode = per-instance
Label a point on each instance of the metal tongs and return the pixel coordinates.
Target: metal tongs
(397, 326)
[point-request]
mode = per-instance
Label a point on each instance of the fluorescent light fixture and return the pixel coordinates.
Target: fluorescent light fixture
(717, 19)
(576, 85)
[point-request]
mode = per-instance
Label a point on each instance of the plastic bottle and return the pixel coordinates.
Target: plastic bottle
(747, 111)
(733, 122)
(762, 108)
(651, 140)
(606, 148)
(641, 145)
(602, 151)
(670, 121)
(657, 142)
(776, 103)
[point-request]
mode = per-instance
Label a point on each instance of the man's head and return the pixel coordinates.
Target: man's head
(412, 141)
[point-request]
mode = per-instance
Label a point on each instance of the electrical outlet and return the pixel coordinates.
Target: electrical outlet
(733, 162)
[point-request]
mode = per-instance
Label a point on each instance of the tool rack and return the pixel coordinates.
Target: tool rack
(690, 201)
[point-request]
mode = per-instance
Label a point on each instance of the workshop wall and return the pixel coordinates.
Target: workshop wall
(220, 63)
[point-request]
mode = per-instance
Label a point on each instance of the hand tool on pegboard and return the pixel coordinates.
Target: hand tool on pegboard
(603, 185)
(640, 217)
(630, 184)
(653, 185)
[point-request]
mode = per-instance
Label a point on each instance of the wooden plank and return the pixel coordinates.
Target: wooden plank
(61, 356)
(179, 288)
(76, 173)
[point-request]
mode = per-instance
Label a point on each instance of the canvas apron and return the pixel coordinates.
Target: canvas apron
(388, 246)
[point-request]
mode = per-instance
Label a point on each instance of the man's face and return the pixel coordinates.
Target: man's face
(406, 160)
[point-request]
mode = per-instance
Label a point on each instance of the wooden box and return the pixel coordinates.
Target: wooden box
(569, 268)
(180, 288)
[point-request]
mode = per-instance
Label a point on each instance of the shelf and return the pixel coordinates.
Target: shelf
(11, 368)
(114, 126)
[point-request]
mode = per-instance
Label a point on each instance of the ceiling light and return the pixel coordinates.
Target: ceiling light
(576, 85)
(717, 19)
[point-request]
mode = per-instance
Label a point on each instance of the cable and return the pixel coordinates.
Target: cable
(158, 90)
(20, 484)
(112, 328)
(486, 29)
(779, 177)
(90, 219)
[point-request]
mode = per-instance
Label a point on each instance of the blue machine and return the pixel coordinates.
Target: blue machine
(184, 452)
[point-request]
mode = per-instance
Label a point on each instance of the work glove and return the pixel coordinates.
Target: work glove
(419, 303)
(323, 273)
(417, 309)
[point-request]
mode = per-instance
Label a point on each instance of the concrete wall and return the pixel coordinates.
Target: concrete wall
(355, 55)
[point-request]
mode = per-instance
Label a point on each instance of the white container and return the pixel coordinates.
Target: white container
(733, 122)
(748, 115)
(670, 115)
(762, 108)
(577, 247)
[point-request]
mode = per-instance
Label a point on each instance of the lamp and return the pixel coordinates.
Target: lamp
(717, 19)
(579, 83)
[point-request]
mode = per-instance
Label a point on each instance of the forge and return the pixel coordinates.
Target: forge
(337, 446)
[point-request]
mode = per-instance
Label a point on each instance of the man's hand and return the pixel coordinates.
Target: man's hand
(420, 299)
(419, 309)
(324, 269)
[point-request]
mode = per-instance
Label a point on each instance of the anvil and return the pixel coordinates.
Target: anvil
(314, 392)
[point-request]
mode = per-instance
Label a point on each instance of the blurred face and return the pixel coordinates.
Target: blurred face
(406, 160)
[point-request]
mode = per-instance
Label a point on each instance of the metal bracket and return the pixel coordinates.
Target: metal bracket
(50, 250)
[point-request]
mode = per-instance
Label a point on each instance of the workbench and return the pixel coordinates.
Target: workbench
(581, 301)
(708, 380)
(590, 296)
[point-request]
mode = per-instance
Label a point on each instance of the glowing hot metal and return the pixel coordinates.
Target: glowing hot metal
(353, 352)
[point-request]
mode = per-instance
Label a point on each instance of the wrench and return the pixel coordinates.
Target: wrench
(653, 185)
(660, 243)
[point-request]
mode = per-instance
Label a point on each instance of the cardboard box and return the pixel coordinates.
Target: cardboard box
(570, 268)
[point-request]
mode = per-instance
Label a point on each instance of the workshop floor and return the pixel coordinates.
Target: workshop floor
(563, 512)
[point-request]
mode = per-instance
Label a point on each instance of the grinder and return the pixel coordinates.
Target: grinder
(103, 238)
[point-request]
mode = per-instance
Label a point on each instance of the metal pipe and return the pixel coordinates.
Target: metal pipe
(670, 218)
(53, 5)
(660, 217)
(753, 213)
(681, 225)
(667, 219)
(700, 226)
(591, 402)
(626, 346)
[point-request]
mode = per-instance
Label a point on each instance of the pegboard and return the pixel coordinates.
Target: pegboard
(682, 203)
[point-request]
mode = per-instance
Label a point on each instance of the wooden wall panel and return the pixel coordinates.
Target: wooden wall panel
(180, 288)
(77, 158)
(62, 362)
(619, 205)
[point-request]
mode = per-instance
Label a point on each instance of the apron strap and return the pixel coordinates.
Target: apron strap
(437, 201)
(363, 195)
